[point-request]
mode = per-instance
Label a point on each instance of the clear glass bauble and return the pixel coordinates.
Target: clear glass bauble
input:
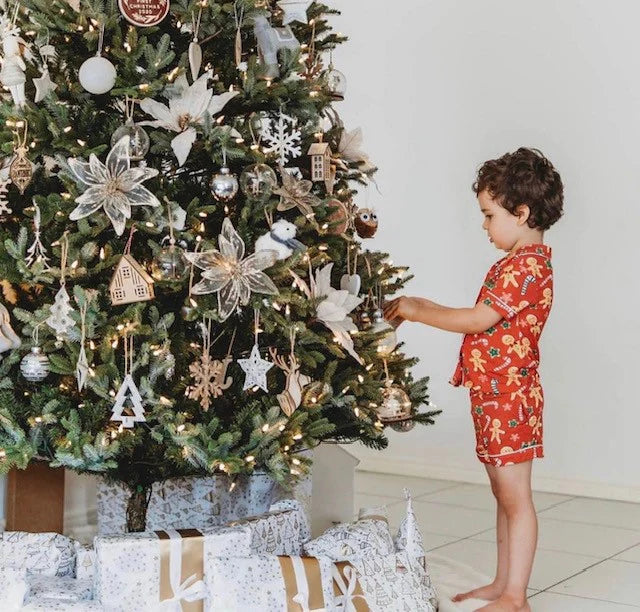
(258, 181)
(224, 185)
(169, 264)
(387, 343)
(35, 365)
(396, 404)
(138, 140)
(336, 84)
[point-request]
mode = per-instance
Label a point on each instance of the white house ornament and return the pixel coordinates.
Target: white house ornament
(114, 186)
(144, 13)
(320, 153)
(229, 274)
(294, 10)
(189, 106)
(130, 282)
(255, 369)
(270, 41)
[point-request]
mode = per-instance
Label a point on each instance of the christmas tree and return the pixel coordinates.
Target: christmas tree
(182, 251)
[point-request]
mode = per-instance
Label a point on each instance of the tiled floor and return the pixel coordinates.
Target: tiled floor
(588, 557)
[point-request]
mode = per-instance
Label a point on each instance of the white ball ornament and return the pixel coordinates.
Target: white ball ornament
(97, 75)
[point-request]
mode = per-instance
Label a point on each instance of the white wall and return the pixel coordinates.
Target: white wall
(439, 87)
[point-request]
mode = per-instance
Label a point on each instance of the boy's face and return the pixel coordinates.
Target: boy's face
(503, 228)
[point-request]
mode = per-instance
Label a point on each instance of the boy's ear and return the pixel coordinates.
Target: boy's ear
(523, 213)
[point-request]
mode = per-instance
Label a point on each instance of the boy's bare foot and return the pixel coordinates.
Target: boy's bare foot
(488, 592)
(505, 603)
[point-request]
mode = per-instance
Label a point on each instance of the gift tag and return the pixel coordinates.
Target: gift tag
(350, 283)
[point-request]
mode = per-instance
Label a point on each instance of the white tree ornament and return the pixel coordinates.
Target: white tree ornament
(114, 186)
(281, 137)
(334, 308)
(36, 252)
(128, 398)
(231, 275)
(186, 109)
(59, 318)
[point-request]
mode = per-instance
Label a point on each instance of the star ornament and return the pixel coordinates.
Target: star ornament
(44, 86)
(255, 369)
(113, 186)
(296, 193)
(294, 10)
(232, 275)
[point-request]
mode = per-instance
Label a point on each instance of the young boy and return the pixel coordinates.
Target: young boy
(521, 196)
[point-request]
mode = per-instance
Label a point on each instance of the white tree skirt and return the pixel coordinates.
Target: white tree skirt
(451, 577)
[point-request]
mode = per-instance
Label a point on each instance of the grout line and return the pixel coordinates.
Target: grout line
(617, 603)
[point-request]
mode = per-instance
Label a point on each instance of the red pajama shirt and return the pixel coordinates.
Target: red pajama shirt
(500, 365)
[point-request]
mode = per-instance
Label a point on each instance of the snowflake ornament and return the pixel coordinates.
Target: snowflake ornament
(230, 274)
(114, 186)
(282, 137)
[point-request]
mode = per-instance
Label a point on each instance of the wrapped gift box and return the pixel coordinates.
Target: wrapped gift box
(13, 588)
(48, 554)
(390, 583)
(42, 604)
(60, 589)
(195, 503)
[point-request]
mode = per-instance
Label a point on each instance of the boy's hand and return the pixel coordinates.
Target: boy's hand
(400, 309)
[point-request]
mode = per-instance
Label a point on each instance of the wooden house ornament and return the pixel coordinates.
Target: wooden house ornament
(320, 153)
(130, 282)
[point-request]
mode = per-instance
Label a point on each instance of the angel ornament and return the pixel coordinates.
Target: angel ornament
(291, 398)
(12, 74)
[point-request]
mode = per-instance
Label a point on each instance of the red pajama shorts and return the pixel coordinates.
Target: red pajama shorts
(508, 426)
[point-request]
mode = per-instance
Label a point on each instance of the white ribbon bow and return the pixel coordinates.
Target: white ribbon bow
(344, 602)
(191, 589)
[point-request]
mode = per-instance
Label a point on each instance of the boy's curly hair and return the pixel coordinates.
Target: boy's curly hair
(524, 177)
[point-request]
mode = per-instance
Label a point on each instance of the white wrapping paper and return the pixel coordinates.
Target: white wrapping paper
(61, 589)
(13, 588)
(48, 554)
(390, 583)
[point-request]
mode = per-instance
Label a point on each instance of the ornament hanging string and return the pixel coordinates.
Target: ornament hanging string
(21, 142)
(100, 40)
(239, 18)
(34, 333)
(127, 247)
(64, 251)
(128, 353)
(196, 23)
(256, 325)
(191, 274)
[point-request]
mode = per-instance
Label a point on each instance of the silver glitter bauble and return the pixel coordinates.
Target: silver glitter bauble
(138, 140)
(387, 343)
(396, 404)
(169, 264)
(336, 84)
(224, 185)
(402, 426)
(258, 181)
(35, 365)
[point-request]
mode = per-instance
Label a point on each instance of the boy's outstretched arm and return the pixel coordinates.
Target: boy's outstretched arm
(461, 320)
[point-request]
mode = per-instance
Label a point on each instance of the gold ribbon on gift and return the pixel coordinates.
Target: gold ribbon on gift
(303, 586)
(182, 588)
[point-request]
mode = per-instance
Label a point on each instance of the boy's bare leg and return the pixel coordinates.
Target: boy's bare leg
(514, 494)
(494, 589)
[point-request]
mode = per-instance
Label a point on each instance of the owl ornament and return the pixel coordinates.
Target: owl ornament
(366, 222)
